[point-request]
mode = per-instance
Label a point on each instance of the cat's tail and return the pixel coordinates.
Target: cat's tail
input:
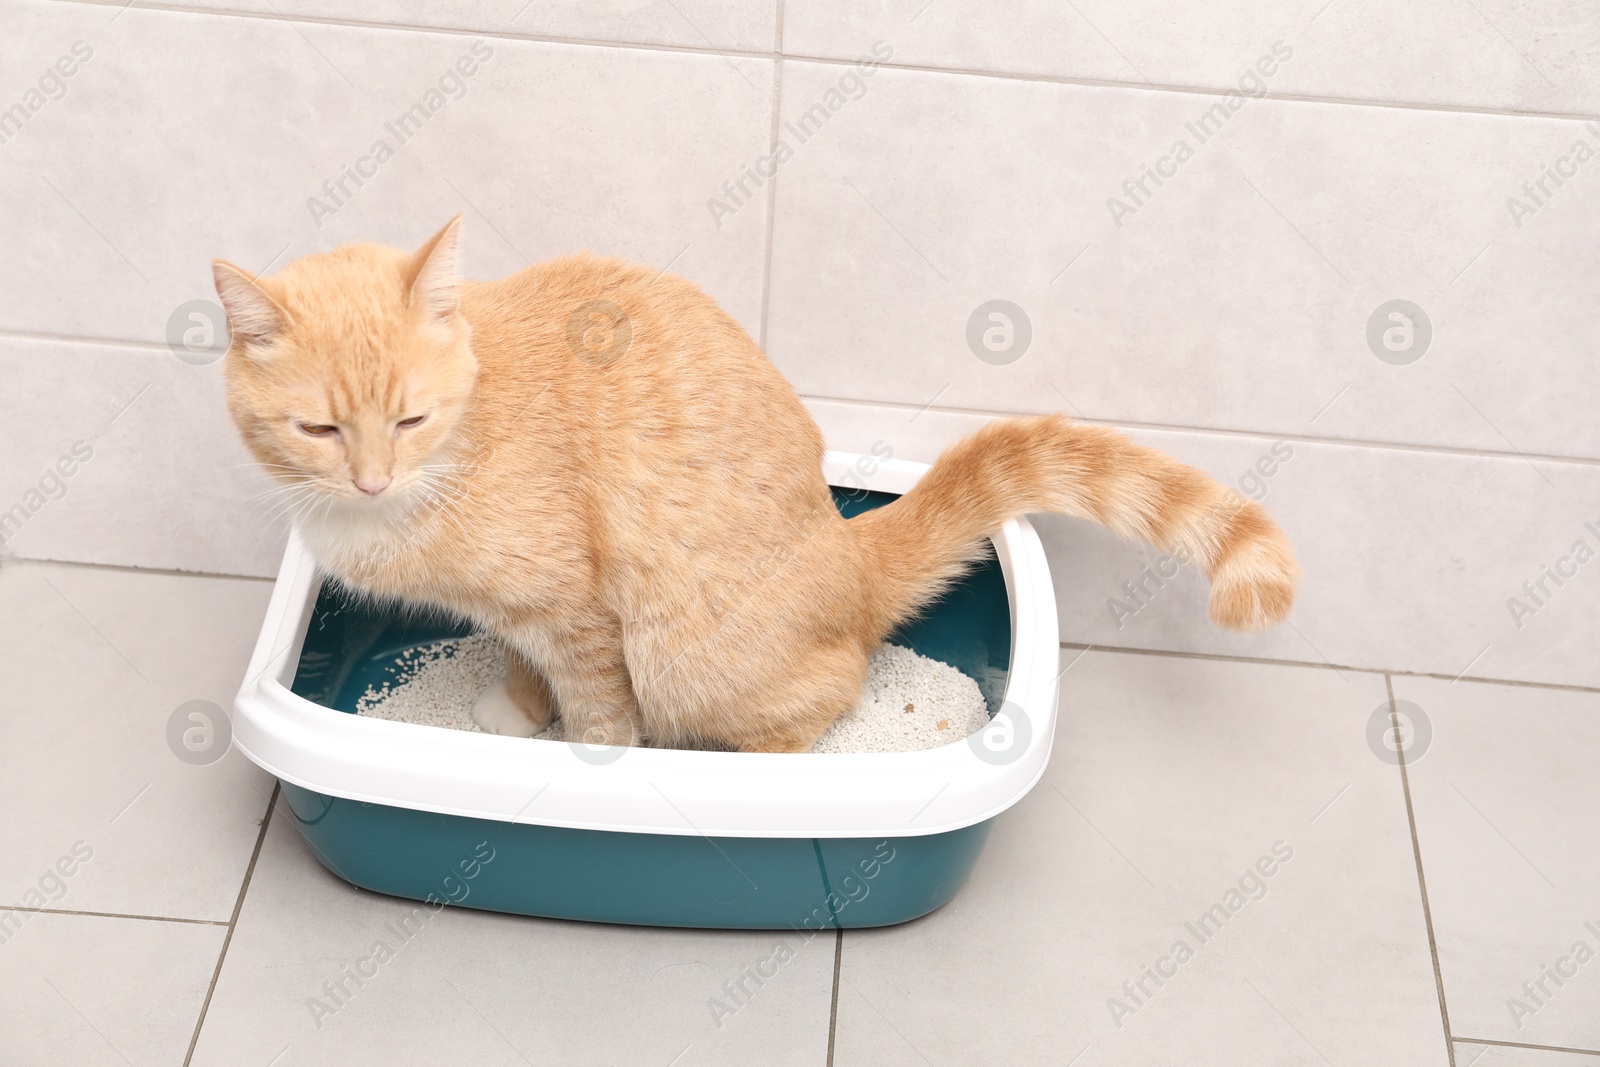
(918, 544)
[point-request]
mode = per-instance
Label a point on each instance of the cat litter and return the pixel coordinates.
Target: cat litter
(909, 702)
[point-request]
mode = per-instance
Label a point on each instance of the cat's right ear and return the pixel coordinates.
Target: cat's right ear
(431, 274)
(254, 318)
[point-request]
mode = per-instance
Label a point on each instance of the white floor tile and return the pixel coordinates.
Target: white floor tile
(1171, 780)
(1508, 811)
(103, 814)
(488, 989)
(91, 991)
(1469, 1054)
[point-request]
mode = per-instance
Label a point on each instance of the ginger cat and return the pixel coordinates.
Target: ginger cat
(593, 462)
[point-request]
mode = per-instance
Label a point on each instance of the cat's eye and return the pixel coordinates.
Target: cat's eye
(316, 430)
(415, 420)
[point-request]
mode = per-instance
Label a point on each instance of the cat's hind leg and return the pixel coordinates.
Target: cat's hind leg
(589, 680)
(793, 713)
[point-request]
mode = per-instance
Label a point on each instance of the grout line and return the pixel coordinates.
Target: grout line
(1206, 90)
(113, 915)
(725, 53)
(81, 339)
(772, 197)
(833, 1007)
(1267, 661)
(451, 31)
(1422, 881)
(1265, 435)
(1124, 649)
(123, 568)
(988, 413)
(1520, 1044)
(233, 922)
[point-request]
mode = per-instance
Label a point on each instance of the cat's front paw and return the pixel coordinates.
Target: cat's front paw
(496, 713)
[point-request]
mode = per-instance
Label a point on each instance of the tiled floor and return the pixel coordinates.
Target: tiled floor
(194, 927)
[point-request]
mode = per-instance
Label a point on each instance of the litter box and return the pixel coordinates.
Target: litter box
(646, 836)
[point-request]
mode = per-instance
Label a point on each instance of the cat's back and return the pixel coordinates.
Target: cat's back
(603, 311)
(631, 344)
(640, 387)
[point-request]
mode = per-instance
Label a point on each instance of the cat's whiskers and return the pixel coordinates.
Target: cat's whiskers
(443, 488)
(275, 492)
(439, 486)
(280, 497)
(264, 466)
(294, 506)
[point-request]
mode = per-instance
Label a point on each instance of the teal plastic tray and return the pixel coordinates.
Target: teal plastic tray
(638, 878)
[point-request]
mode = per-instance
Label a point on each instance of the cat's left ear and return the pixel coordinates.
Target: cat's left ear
(432, 273)
(254, 317)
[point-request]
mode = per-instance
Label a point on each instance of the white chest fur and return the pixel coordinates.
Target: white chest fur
(359, 539)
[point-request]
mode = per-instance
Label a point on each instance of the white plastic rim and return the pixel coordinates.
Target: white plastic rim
(665, 791)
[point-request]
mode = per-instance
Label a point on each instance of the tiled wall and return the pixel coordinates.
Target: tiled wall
(1199, 264)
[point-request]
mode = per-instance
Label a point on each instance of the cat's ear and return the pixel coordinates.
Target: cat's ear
(432, 275)
(254, 318)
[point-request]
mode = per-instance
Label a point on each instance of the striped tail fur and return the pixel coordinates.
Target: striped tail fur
(918, 544)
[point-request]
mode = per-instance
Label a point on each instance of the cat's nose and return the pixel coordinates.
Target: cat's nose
(373, 484)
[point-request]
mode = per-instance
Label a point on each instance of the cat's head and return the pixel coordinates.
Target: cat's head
(348, 372)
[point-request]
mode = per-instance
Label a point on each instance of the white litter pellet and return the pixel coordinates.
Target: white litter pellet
(435, 685)
(909, 702)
